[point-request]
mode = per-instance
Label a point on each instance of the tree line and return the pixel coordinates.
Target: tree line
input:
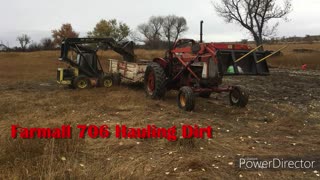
(258, 17)
(158, 32)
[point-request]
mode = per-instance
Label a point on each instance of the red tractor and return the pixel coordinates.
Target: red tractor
(195, 68)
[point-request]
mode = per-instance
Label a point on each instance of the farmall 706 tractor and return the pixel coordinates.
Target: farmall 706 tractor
(195, 68)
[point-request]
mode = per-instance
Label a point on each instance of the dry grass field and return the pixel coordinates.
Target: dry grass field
(282, 118)
(295, 60)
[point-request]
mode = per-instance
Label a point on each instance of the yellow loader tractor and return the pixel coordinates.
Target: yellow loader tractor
(86, 71)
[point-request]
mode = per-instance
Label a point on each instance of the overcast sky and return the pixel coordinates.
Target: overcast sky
(38, 17)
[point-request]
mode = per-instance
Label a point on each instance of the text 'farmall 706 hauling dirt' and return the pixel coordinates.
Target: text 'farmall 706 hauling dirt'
(198, 68)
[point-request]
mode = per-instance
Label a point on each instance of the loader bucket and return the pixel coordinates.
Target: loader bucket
(243, 62)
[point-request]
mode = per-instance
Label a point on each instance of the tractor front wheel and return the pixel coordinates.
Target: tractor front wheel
(186, 99)
(81, 82)
(239, 97)
(154, 81)
(105, 81)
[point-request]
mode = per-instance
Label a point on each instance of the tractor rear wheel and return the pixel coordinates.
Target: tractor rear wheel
(105, 81)
(239, 97)
(81, 82)
(186, 99)
(154, 81)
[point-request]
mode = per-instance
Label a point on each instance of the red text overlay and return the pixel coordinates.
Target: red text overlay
(105, 131)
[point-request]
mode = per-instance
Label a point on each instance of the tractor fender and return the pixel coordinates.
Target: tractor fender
(162, 62)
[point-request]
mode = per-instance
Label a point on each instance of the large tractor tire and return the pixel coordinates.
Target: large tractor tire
(81, 82)
(154, 81)
(186, 99)
(105, 81)
(239, 97)
(116, 79)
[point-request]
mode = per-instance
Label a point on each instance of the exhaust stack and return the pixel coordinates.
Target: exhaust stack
(201, 31)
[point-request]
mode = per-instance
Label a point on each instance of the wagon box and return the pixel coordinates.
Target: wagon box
(131, 71)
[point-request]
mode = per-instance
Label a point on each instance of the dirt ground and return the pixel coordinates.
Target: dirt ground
(282, 119)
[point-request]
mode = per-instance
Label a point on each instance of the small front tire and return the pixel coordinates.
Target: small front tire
(186, 99)
(239, 97)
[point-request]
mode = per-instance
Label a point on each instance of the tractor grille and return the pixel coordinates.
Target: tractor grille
(213, 69)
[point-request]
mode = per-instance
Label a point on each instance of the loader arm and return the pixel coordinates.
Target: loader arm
(125, 49)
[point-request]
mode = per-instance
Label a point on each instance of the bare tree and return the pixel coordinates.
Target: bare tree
(135, 36)
(155, 27)
(24, 40)
(180, 27)
(145, 31)
(47, 43)
(173, 27)
(169, 28)
(151, 31)
(34, 46)
(4, 47)
(254, 15)
(162, 29)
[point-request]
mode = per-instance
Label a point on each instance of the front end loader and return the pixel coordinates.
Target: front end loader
(85, 70)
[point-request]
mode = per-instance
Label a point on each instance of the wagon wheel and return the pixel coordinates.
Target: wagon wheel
(81, 82)
(105, 81)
